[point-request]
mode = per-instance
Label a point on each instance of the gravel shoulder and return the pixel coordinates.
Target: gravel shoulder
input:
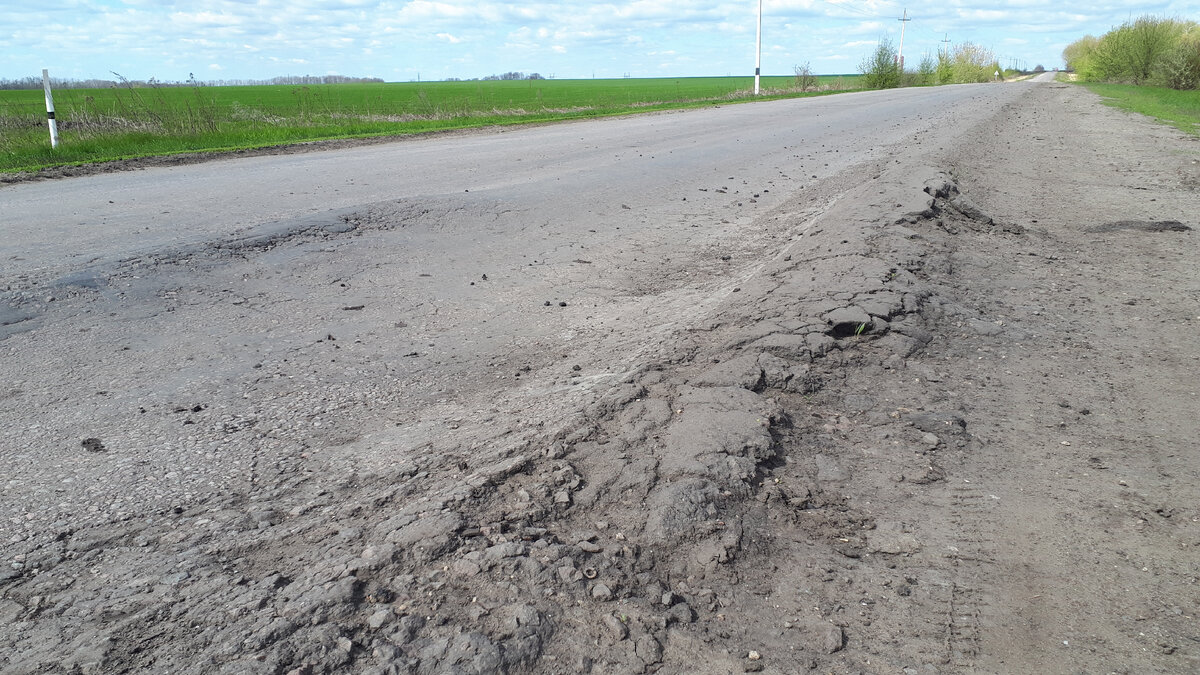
(934, 414)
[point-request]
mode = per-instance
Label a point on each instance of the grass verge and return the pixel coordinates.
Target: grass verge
(99, 125)
(1180, 109)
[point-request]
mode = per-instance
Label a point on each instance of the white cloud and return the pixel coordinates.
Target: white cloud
(141, 38)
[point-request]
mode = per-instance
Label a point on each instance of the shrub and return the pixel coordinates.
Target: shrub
(1149, 50)
(805, 80)
(881, 70)
(1079, 54)
(1179, 68)
(926, 71)
(945, 68)
(972, 63)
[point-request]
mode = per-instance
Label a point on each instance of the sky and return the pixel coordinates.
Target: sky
(402, 41)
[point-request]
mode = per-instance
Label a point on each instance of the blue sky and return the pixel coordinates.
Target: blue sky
(435, 39)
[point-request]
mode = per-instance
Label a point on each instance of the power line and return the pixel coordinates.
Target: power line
(852, 8)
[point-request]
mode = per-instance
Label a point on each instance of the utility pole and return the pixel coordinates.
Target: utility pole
(946, 41)
(900, 57)
(758, 50)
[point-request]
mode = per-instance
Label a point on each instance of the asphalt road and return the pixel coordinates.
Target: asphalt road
(796, 385)
(462, 276)
(209, 320)
(586, 170)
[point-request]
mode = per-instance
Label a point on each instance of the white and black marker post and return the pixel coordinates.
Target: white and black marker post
(758, 49)
(50, 109)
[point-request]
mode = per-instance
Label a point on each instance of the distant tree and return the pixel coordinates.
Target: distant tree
(1080, 55)
(972, 63)
(513, 76)
(535, 76)
(945, 68)
(926, 71)
(881, 70)
(1039, 69)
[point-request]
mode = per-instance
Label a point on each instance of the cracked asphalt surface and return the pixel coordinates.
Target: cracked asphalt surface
(807, 384)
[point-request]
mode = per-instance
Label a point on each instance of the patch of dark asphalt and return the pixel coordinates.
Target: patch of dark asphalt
(1142, 226)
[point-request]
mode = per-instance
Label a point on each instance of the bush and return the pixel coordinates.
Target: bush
(972, 63)
(1079, 54)
(926, 72)
(945, 68)
(1149, 50)
(1179, 68)
(881, 70)
(805, 80)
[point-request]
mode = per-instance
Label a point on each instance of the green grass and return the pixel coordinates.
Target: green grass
(120, 123)
(1180, 109)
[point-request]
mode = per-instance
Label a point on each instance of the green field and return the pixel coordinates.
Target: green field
(124, 122)
(1180, 109)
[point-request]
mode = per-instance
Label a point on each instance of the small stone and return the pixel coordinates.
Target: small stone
(589, 547)
(616, 627)
(379, 618)
(754, 656)
(345, 644)
(832, 639)
(667, 598)
(602, 592)
(562, 497)
(681, 613)
(648, 650)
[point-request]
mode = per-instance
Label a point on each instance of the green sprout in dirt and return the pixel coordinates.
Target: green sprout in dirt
(861, 327)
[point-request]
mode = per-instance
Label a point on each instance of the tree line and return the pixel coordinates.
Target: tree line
(966, 62)
(1147, 51)
(56, 83)
(513, 75)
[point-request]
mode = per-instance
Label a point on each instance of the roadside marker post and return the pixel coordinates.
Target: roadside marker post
(50, 109)
(758, 50)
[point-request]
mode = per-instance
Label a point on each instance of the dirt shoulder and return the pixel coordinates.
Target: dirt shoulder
(944, 426)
